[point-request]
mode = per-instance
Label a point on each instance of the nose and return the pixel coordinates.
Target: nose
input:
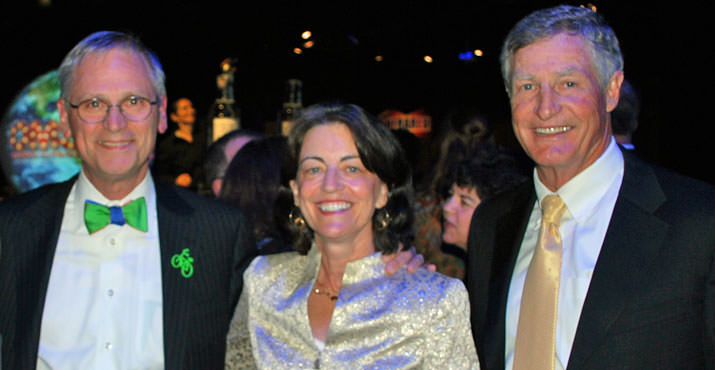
(449, 204)
(332, 181)
(547, 105)
(115, 119)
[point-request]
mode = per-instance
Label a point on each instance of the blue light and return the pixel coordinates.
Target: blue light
(466, 55)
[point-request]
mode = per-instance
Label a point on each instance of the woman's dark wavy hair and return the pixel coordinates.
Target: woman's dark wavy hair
(380, 153)
(252, 183)
(485, 167)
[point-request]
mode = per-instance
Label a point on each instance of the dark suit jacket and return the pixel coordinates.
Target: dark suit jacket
(197, 310)
(651, 301)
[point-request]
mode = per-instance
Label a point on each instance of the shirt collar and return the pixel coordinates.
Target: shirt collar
(87, 190)
(355, 271)
(582, 193)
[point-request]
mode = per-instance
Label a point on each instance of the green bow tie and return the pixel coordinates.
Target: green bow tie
(97, 216)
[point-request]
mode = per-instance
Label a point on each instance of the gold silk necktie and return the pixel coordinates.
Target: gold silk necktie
(536, 332)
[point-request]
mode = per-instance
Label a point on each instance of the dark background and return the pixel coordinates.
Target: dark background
(664, 57)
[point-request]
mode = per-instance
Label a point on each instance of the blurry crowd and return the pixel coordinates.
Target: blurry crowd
(454, 169)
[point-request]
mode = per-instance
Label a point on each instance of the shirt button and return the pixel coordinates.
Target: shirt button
(110, 292)
(112, 241)
(108, 346)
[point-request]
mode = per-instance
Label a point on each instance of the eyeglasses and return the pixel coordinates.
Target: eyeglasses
(133, 108)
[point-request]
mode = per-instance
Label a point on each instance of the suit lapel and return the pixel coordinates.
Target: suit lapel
(624, 257)
(35, 264)
(510, 231)
(174, 235)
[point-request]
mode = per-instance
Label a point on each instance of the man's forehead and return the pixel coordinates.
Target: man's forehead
(562, 54)
(112, 68)
(233, 146)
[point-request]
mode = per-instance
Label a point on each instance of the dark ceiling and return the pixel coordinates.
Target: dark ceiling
(662, 57)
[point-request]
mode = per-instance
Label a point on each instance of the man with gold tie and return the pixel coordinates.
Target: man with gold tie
(602, 261)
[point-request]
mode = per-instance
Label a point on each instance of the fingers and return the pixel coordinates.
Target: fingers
(415, 262)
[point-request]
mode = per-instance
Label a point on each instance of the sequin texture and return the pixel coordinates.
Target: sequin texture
(418, 320)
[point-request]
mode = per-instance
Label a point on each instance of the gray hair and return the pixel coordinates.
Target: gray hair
(102, 42)
(545, 23)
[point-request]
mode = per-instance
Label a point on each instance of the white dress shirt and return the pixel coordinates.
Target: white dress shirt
(104, 299)
(590, 198)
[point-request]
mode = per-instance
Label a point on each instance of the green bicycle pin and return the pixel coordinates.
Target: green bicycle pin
(184, 262)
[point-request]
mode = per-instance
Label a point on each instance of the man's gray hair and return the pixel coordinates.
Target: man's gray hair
(577, 21)
(102, 42)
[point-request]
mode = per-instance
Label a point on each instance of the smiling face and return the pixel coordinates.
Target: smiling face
(560, 114)
(115, 152)
(185, 112)
(457, 212)
(336, 194)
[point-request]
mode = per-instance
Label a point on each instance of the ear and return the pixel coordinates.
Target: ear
(216, 186)
(382, 196)
(294, 188)
(162, 115)
(64, 125)
(613, 91)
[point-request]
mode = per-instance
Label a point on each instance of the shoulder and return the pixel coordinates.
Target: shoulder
(275, 270)
(674, 191)
(510, 204)
(425, 287)
(185, 201)
(47, 196)
(505, 201)
(278, 261)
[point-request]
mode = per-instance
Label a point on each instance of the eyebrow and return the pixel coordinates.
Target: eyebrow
(320, 159)
(466, 196)
(565, 72)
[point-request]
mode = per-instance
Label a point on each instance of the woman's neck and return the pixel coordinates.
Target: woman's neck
(185, 132)
(336, 256)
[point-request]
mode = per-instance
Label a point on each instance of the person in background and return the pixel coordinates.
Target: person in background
(179, 156)
(252, 183)
(220, 154)
(483, 173)
(111, 269)
(624, 118)
(603, 261)
(465, 130)
(330, 304)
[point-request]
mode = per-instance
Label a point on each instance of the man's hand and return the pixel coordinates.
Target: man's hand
(396, 261)
(183, 180)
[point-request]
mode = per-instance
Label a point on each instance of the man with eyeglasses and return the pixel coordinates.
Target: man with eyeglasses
(112, 270)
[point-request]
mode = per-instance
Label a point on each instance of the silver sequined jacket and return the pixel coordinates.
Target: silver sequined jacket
(404, 321)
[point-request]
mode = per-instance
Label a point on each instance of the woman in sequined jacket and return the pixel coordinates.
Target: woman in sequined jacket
(330, 303)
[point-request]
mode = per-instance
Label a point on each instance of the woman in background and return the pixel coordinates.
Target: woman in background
(252, 183)
(466, 181)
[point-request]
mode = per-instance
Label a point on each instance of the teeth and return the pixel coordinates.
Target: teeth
(552, 130)
(113, 143)
(334, 207)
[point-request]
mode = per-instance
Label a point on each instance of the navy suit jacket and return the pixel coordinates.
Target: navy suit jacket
(651, 300)
(197, 310)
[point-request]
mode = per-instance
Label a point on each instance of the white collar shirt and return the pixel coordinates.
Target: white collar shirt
(590, 198)
(103, 308)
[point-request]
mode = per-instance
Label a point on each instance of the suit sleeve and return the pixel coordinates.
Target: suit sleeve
(244, 250)
(710, 317)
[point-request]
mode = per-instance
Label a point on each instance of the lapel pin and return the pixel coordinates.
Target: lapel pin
(184, 262)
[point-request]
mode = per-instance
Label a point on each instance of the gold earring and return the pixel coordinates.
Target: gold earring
(297, 220)
(383, 222)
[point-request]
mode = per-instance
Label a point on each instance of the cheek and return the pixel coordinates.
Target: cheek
(465, 218)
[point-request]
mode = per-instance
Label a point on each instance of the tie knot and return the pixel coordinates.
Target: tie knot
(553, 208)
